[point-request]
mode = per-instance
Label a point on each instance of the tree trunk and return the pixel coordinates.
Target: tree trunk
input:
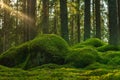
(64, 20)
(87, 26)
(32, 15)
(45, 17)
(78, 20)
(118, 1)
(97, 18)
(6, 27)
(113, 23)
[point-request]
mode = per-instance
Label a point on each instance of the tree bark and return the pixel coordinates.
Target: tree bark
(98, 19)
(113, 23)
(45, 16)
(64, 20)
(87, 26)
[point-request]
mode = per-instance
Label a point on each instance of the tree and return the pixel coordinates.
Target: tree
(87, 25)
(45, 16)
(25, 28)
(78, 19)
(97, 16)
(118, 1)
(32, 15)
(113, 23)
(64, 20)
(6, 27)
(29, 8)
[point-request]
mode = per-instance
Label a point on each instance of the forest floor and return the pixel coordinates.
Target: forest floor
(49, 57)
(58, 74)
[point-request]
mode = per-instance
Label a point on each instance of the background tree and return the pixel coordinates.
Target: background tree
(118, 1)
(98, 19)
(45, 16)
(78, 19)
(74, 20)
(113, 23)
(87, 25)
(6, 27)
(64, 20)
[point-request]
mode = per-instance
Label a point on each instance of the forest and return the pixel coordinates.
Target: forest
(60, 39)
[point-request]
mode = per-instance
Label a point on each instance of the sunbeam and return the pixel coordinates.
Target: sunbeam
(15, 13)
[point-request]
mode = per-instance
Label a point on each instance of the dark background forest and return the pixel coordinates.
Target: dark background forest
(74, 20)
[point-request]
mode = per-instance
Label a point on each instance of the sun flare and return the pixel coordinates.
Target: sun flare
(14, 12)
(1, 3)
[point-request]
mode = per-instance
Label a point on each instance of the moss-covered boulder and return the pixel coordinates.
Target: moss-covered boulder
(111, 58)
(82, 57)
(108, 47)
(41, 50)
(93, 42)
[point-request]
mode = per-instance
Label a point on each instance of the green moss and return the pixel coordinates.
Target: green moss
(108, 48)
(115, 75)
(82, 57)
(94, 42)
(41, 50)
(47, 66)
(97, 66)
(59, 73)
(98, 72)
(115, 61)
(110, 57)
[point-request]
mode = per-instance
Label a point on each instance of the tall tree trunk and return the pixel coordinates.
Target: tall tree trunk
(6, 27)
(25, 22)
(29, 25)
(113, 23)
(118, 1)
(45, 16)
(32, 15)
(98, 19)
(87, 26)
(72, 23)
(64, 20)
(93, 18)
(78, 20)
(55, 20)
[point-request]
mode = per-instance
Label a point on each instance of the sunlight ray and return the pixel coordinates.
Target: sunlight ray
(15, 13)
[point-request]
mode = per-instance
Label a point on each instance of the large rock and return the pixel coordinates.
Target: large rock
(82, 57)
(41, 50)
(92, 42)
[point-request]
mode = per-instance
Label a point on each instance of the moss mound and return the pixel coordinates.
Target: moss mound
(108, 48)
(94, 42)
(58, 74)
(82, 57)
(41, 50)
(111, 58)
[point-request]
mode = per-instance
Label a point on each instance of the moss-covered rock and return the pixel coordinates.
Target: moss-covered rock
(108, 47)
(41, 50)
(93, 42)
(115, 61)
(82, 57)
(111, 58)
